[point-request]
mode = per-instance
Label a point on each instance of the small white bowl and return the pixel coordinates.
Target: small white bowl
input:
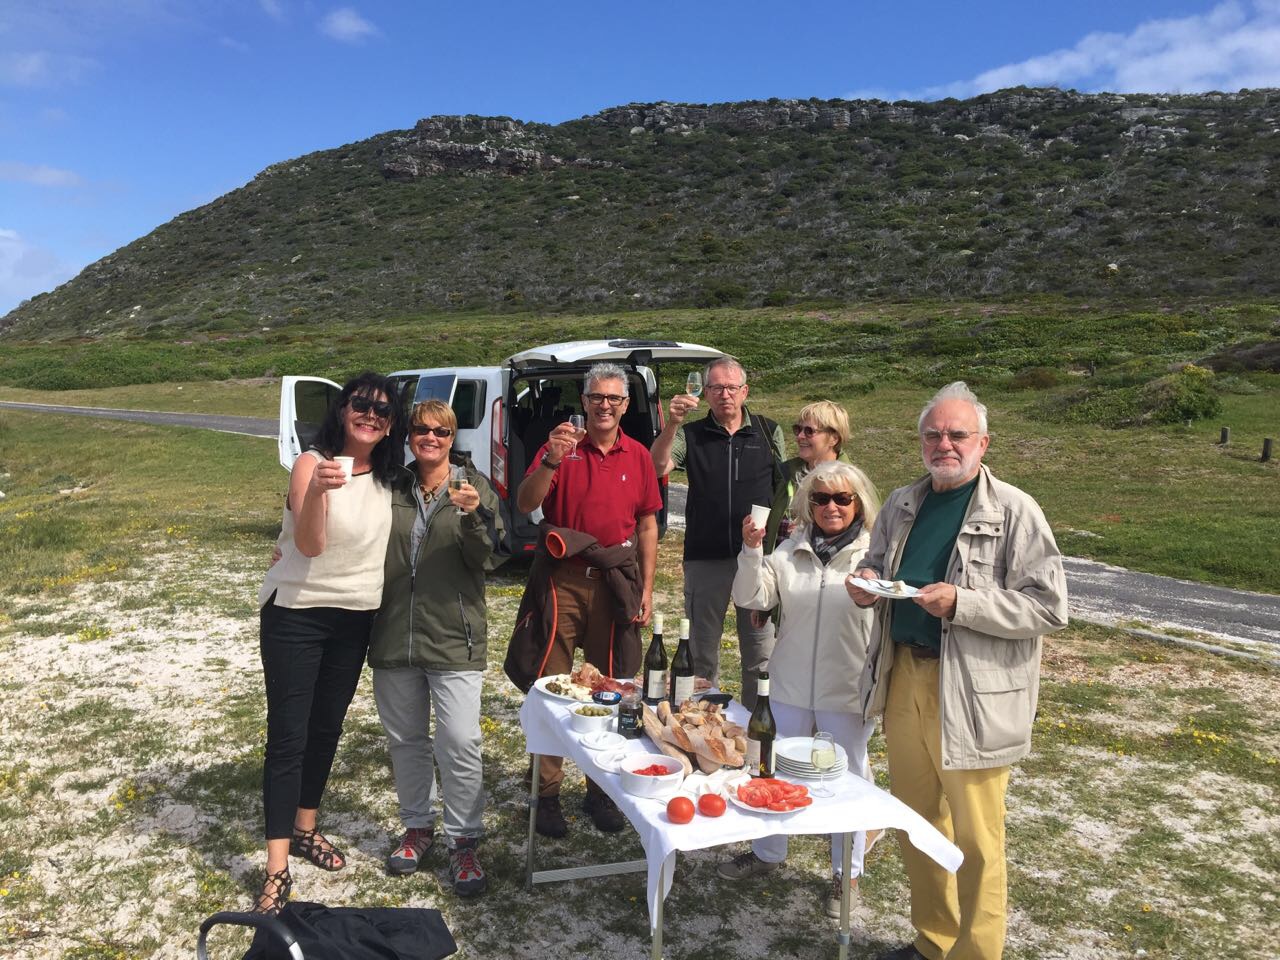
(603, 740)
(641, 785)
(581, 724)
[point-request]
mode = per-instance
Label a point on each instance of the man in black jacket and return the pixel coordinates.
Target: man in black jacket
(732, 460)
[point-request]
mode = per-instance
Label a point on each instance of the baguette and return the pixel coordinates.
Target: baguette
(653, 729)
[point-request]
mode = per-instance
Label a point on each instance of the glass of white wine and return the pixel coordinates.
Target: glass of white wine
(693, 385)
(823, 756)
(456, 479)
(579, 424)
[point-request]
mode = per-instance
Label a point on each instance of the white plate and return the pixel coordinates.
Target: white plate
(541, 686)
(797, 750)
(884, 588)
(810, 774)
(731, 793)
(603, 740)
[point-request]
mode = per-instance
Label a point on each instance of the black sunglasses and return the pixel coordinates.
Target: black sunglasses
(421, 430)
(822, 499)
(362, 404)
(805, 430)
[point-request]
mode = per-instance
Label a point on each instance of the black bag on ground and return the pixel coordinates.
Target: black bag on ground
(344, 933)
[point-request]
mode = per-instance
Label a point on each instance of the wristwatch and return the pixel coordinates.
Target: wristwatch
(548, 463)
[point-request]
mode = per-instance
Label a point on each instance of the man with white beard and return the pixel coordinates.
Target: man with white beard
(955, 669)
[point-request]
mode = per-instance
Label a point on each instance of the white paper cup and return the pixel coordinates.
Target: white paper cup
(759, 515)
(348, 465)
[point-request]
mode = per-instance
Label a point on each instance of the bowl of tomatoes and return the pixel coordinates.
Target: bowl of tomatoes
(651, 775)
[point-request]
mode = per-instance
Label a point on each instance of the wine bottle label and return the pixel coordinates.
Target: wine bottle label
(684, 690)
(759, 758)
(762, 687)
(656, 686)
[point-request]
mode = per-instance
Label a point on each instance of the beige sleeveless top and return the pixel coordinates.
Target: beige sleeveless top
(348, 574)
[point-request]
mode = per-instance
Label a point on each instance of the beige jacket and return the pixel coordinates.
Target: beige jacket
(1010, 592)
(818, 659)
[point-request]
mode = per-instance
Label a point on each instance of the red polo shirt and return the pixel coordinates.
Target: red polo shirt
(602, 494)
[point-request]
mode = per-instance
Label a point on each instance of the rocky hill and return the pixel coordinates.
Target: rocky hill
(653, 205)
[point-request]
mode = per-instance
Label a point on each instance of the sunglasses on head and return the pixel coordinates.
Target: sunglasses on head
(822, 499)
(362, 404)
(805, 430)
(421, 430)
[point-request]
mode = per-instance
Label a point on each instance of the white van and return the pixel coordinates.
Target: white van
(506, 412)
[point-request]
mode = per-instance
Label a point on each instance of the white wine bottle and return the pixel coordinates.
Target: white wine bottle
(682, 669)
(761, 731)
(655, 666)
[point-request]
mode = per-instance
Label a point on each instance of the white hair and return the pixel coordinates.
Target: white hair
(606, 371)
(728, 362)
(957, 390)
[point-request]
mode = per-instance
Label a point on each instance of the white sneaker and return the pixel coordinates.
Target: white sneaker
(834, 891)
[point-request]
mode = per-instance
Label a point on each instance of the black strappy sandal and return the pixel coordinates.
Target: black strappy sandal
(275, 893)
(315, 847)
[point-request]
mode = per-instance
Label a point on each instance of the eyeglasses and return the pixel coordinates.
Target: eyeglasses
(725, 388)
(600, 399)
(361, 404)
(805, 430)
(822, 499)
(957, 437)
(421, 430)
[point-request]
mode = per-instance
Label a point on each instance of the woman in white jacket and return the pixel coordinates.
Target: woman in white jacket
(817, 660)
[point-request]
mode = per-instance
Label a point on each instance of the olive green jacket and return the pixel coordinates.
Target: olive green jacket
(433, 611)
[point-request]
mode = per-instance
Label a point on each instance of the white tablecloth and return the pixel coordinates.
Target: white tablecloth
(857, 805)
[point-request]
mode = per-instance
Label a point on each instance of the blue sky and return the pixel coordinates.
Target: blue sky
(117, 115)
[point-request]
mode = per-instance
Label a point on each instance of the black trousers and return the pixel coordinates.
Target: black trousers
(311, 661)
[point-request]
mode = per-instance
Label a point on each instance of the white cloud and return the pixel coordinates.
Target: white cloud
(26, 270)
(39, 175)
(1234, 45)
(39, 68)
(346, 25)
(272, 8)
(239, 46)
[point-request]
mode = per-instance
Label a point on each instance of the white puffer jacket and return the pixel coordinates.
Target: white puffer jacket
(818, 659)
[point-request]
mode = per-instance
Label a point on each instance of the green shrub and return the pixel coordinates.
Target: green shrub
(1185, 395)
(1036, 378)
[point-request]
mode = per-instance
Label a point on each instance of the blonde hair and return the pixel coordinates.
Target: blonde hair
(837, 476)
(828, 416)
(436, 410)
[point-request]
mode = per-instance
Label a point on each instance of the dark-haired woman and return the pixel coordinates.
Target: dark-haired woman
(317, 606)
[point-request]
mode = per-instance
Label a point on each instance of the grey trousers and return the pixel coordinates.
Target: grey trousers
(405, 697)
(707, 585)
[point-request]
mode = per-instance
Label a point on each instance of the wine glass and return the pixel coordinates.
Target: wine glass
(579, 424)
(693, 385)
(823, 756)
(456, 479)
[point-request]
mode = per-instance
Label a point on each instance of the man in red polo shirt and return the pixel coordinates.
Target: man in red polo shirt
(603, 485)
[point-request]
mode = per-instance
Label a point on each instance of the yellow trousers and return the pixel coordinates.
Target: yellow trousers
(960, 916)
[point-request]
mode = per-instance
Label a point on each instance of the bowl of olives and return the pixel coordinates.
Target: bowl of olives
(591, 717)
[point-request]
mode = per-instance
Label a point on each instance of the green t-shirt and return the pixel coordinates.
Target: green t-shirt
(925, 558)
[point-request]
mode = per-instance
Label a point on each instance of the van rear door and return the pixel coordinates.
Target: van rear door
(303, 403)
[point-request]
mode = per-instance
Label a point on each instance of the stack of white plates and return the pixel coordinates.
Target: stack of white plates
(792, 757)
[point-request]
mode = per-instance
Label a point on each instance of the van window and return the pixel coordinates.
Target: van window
(406, 385)
(468, 403)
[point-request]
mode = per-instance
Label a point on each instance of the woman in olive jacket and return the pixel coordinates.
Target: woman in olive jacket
(428, 645)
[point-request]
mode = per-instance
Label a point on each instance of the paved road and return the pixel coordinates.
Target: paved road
(253, 426)
(1099, 593)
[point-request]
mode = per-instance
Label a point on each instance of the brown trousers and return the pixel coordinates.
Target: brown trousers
(584, 620)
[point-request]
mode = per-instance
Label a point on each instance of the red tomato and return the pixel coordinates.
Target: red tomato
(711, 804)
(680, 810)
